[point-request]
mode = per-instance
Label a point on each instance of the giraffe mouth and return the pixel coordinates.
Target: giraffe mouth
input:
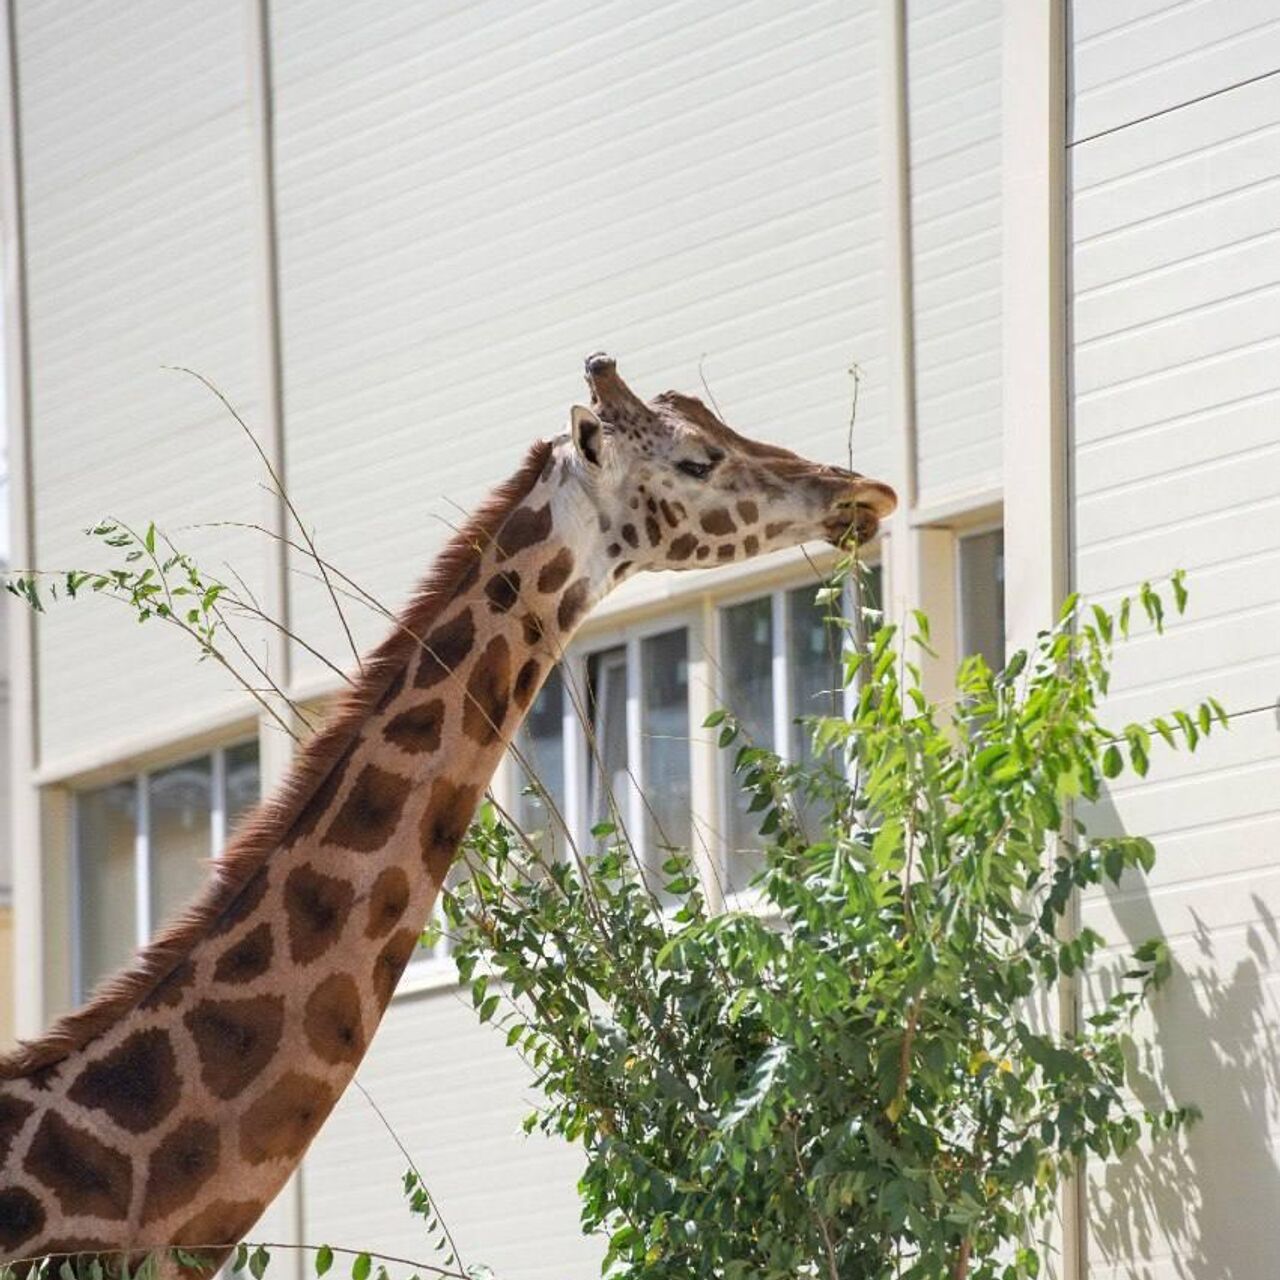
(846, 527)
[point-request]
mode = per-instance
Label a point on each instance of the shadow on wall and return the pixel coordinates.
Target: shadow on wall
(1211, 1197)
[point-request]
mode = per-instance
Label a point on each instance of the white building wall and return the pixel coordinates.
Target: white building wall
(953, 124)
(139, 217)
(1175, 259)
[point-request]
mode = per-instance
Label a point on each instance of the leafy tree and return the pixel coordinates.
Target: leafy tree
(857, 1077)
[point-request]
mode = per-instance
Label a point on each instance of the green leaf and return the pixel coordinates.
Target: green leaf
(361, 1267)
(324, 1259)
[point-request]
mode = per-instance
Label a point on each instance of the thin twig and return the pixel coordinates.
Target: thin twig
(283, 494)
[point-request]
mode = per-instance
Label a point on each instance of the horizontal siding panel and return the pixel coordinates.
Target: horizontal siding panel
(455, 1096)
(139, 226)
(471, 202)
(1164, 57)
(953, 123)
(1176, 372)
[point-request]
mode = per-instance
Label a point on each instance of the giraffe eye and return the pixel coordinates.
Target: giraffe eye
(698, 470)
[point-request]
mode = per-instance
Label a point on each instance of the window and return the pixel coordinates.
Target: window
(781, 663)
(539, 809)
(633, 766)
(141, 847)
(981, 596)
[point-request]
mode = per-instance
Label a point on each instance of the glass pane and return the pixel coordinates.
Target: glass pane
(746, 661)
(815, 669)
(607, 752)
(664, 728)
(244, 781)
(106, 831)
(179, 802)
(982, 597)
(541, 743)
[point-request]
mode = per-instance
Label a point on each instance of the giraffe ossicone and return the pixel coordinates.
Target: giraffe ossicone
(171, 1109)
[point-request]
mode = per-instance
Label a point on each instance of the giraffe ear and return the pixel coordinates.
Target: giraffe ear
(588, 434)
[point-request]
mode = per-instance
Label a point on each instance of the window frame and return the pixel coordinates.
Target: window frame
(144, 925)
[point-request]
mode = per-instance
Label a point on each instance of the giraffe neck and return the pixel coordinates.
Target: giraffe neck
(181, 1120)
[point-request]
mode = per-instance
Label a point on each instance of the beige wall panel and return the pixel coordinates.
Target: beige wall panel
(138, 221)
(1176, 463)
(953, 120)
(455, 1096)
(472, 199)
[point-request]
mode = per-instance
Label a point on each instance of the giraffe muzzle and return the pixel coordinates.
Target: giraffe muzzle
(857, 513)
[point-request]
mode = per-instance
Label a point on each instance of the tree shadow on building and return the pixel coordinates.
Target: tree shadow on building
(1203, 1204)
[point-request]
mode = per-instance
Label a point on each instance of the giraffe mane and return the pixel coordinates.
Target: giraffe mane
(271, 822)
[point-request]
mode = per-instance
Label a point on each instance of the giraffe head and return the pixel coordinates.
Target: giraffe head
(675, 488)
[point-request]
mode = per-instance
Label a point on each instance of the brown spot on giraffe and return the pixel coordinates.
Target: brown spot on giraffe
(444, 823)
(682, 548)
(524, 527)
(224, 1222)
(89, 1178)
(280, 1123)
(470, 576)
(725, 551)
(393, 690)
(242, 907)
(502, 590)
(417, 729)
(629, 535)
(702, 552)
(371, 812)
(316, 909)
(333, 1021)
(21, 1217)
(247, 959)
(748, 512)
(621, 569)
(653, 529)
(179, 1167)
(555, 573)
(573, 604)
(751, 544)
(719, 522)
(488, 692)
(669, 513)
(167, 993)
(388, 901)
(14, 1113)
(320, 803)
(444, 648)
(776, 529)
(532, 629)
(136, 1084)
(390, 964)
(235, 1040)
(526, 683)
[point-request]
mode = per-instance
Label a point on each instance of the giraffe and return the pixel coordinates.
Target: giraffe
(171, 1109)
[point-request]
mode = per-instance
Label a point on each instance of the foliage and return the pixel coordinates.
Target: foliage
(860, 1076)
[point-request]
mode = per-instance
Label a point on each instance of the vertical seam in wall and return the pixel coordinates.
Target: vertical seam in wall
(271, 355)
(261, 107)
(899, 327)
(1065, 532)
(27, 862)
